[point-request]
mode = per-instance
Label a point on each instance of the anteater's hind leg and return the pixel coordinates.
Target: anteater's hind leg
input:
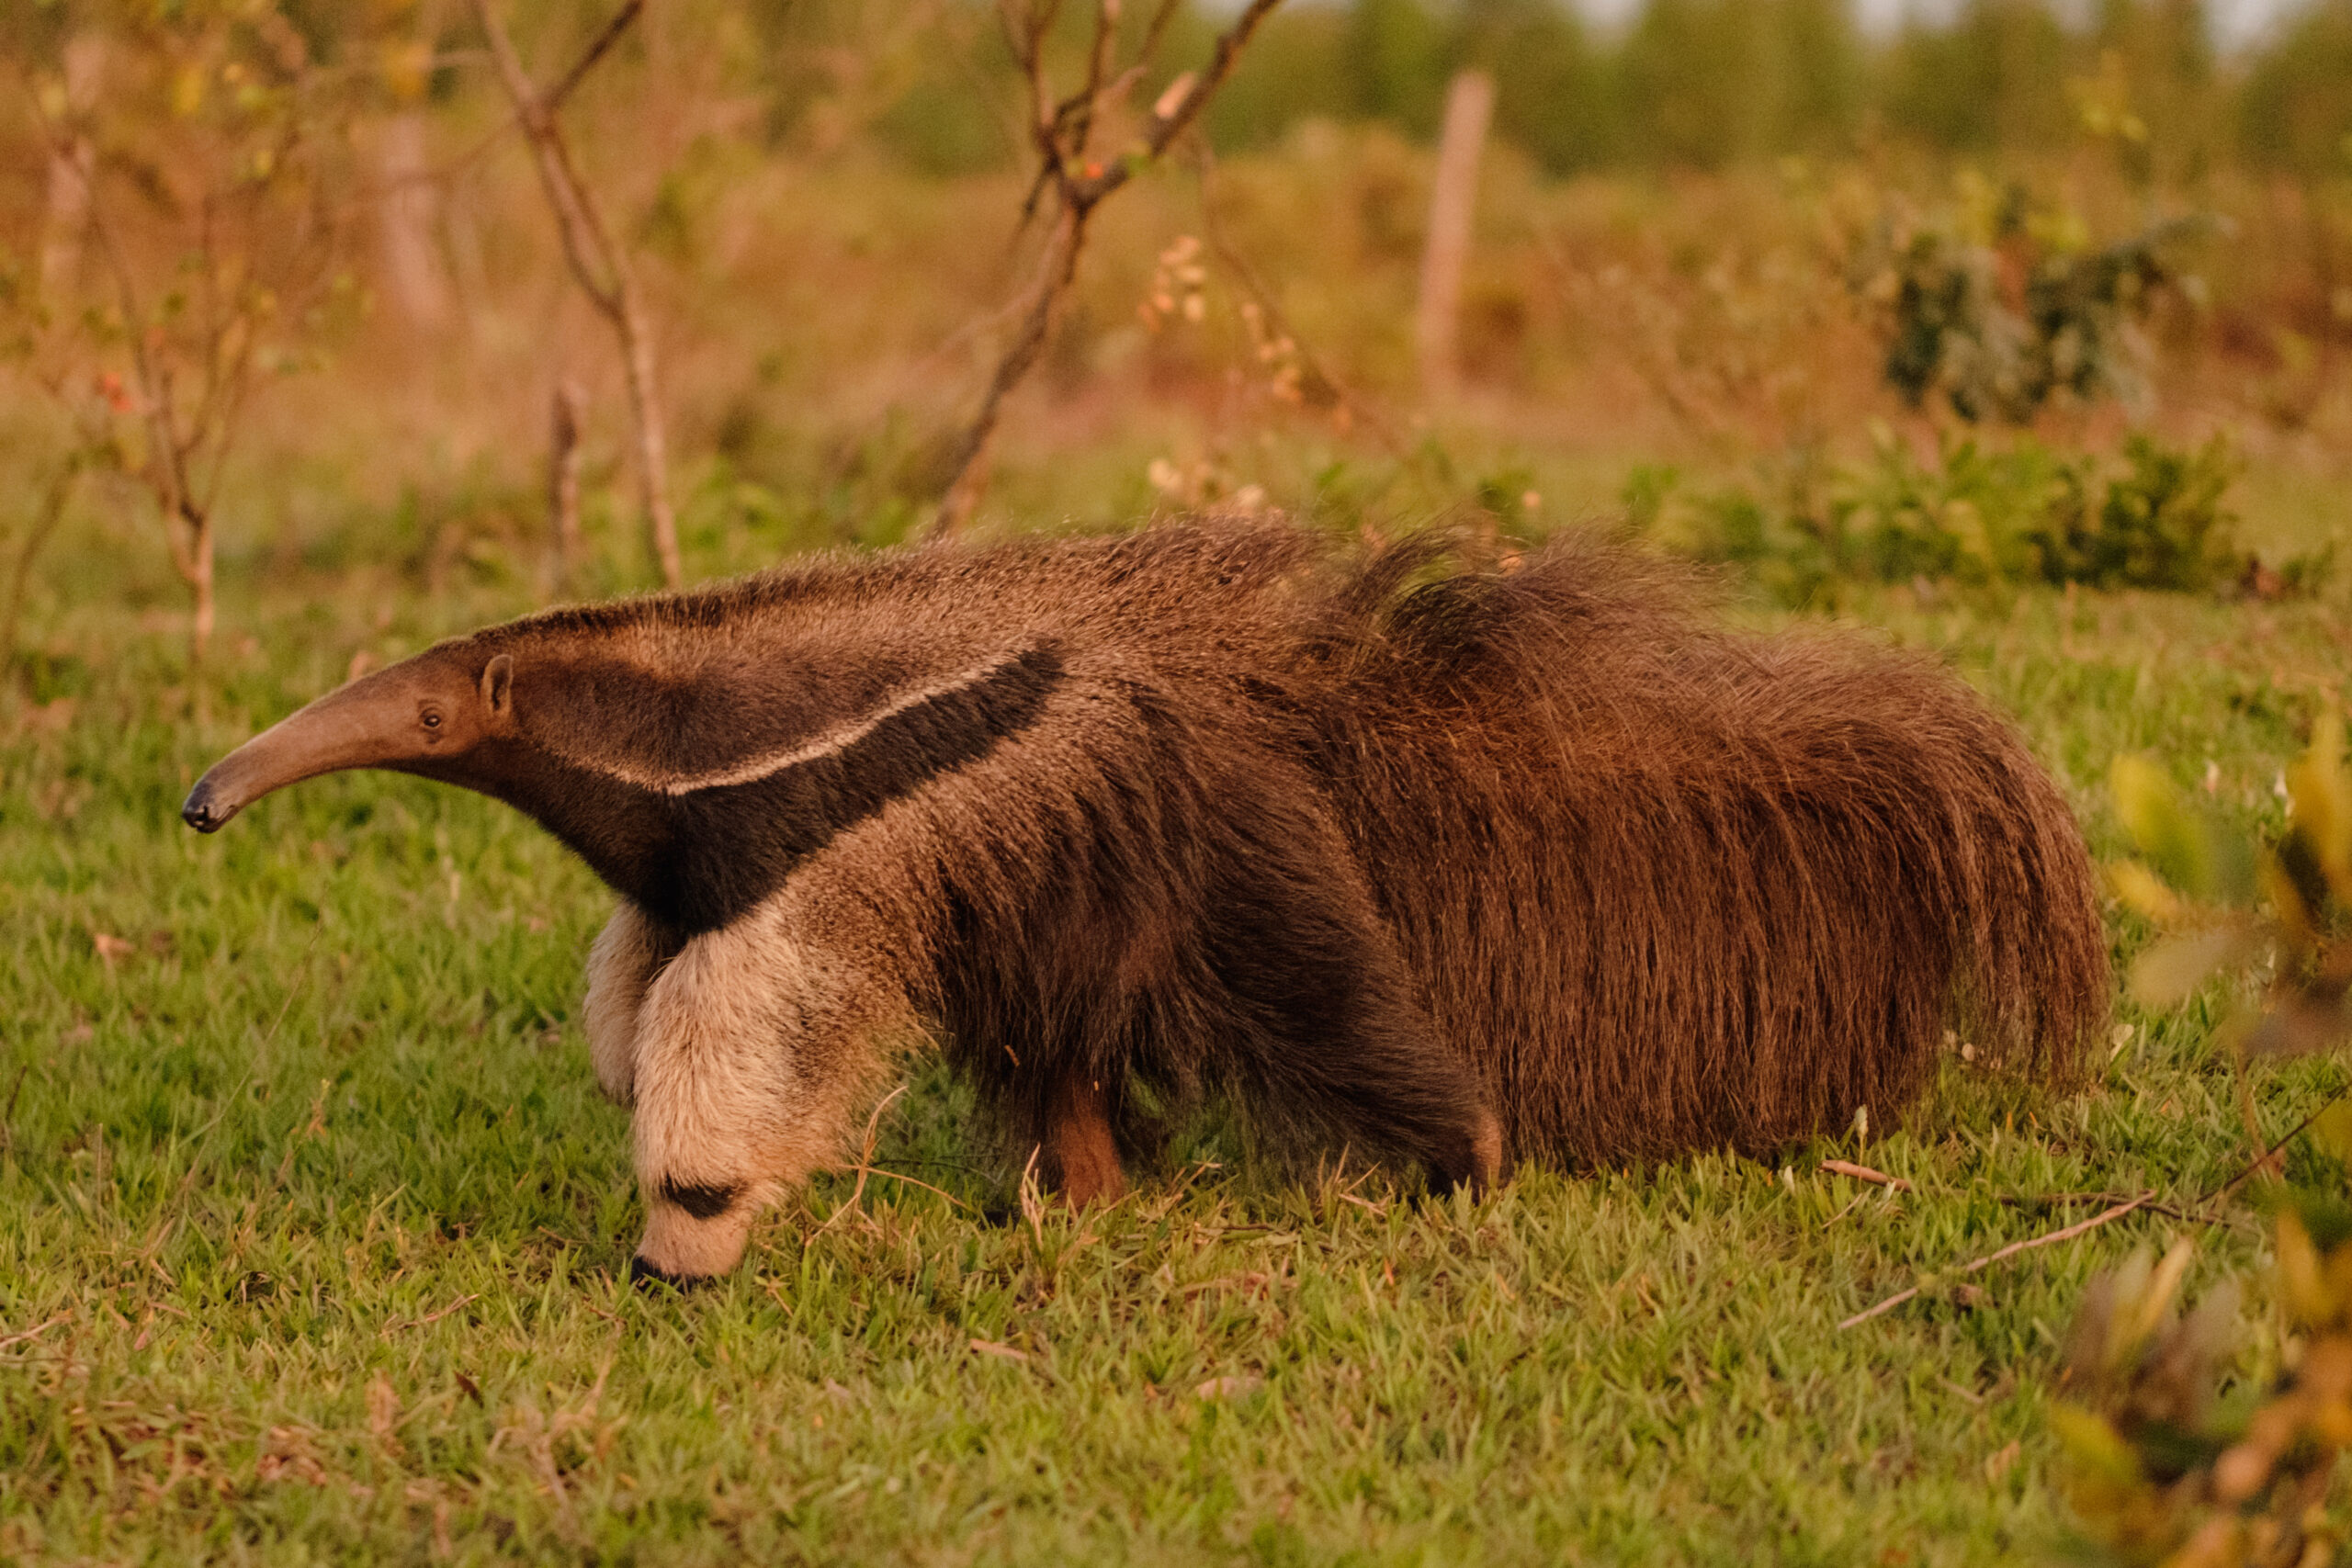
(1343, 1041)
(755, 1050)
(1081, 1156)
(628, 953)
(1377, 1080)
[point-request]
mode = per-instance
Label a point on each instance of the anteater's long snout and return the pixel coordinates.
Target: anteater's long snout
(272, 759)
(370, 724)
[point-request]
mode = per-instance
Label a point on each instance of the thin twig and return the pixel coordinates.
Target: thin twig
(1165, 129)
(396, 1326)
(51, 512)
(569, 412)
(1153, 32)
(2223, 1193)
(188, 447)
(34, 1332)
(2080, 1228)
(2058, 1199)
(1358, 411)
(1086, 103)
(553, 97)
(166, 467)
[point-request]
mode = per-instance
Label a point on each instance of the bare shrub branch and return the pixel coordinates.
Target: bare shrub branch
(249, 220)
(45, 519)
(1063, 132)
(570, 409)
(599, 263)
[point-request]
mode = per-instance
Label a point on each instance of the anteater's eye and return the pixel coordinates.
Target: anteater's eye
(432, 720)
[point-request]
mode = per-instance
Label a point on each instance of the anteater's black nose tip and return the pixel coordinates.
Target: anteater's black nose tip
(198, 814)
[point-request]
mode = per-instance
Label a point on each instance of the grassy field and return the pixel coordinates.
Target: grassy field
(312, 1224)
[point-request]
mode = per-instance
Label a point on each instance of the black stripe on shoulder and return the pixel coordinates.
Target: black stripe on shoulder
(732, 845)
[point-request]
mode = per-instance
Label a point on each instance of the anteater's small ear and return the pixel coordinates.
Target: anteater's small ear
(498, 684)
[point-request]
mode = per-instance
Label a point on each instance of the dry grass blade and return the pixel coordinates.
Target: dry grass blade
(301, 973)
(889, 1174)
(1859, 1199)
(1032, 1199)
(866, 1163)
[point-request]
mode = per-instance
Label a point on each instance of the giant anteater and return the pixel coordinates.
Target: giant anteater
(1403, 849)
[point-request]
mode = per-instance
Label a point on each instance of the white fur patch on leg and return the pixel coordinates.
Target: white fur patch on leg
(620, 966)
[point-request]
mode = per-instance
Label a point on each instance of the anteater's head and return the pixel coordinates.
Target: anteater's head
(434, 714)
(693, 750)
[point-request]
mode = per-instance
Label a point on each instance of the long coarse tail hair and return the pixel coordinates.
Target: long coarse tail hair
(1673, 887)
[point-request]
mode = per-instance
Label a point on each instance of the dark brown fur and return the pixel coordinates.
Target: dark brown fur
(1383, 849)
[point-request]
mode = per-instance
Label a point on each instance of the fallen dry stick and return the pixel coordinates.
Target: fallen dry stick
(2059, 1199)
(396, 1326)
(2078, 1228)
(1864, 1173)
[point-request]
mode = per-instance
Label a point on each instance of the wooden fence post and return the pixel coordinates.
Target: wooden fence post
(1469, 104)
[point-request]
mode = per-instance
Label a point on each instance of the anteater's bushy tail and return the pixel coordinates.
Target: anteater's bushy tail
(1675, 888)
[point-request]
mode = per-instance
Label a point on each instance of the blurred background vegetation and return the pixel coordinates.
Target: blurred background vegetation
(2019, 329)
(1754, 274)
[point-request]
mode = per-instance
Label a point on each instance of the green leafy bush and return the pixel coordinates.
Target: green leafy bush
(2162, 523)
(1999, 305)
(1979, 513)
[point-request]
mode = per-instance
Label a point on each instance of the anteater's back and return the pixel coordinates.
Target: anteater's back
(1671, 888)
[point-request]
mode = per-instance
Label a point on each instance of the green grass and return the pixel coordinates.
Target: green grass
(311, 1221)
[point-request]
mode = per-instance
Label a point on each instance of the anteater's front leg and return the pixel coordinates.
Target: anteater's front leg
(628, 953)
(754, 1050)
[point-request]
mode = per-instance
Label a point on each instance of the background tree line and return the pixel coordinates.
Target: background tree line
(1707, 84)
(1712, 233)
(1696, 83)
